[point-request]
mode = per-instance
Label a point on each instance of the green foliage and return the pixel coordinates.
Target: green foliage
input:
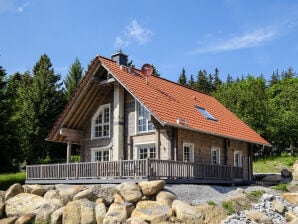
(280, 187)
(228, 206)
(182, 78)
(273, 164)
(73, 78)
(6, 180)
(255, 195)
(212, 203)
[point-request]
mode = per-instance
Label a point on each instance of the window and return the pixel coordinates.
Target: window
(143, 119)
(205, 113)
(215, 155)
(238, 158)
(188, 155)
(101, 122)
(146, 151)
(100, 154)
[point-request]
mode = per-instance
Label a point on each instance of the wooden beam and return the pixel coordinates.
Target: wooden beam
(71, 134)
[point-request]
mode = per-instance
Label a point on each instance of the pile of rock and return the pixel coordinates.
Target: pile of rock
(145, 202)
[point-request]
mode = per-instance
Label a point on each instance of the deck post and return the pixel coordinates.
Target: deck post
(58, 171)
(41, 171)
(120, 168)
(68, 152)
(147, 168)
(77, 170)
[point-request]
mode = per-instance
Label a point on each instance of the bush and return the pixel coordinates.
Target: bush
(228, 206)
(6, 180)
(280, 187)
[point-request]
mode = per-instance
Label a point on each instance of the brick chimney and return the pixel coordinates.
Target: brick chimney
(120, 58)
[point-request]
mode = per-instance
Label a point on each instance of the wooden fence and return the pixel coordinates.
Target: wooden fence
(149, 169)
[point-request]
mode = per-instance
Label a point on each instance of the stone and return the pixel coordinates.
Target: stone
(34, 189)
(151, 211)
(106, 193)
(272, 178)
(46, 210)
(51, 194)
(39, 191)
(100, 212)
(118, 213)
(67, 194)
(83, 194)
(240, 201)
(295, 171)
(9, 220)
(27, 188)
(258, 217)
(166, 198)
(129, 191)
(135, 221)
(2, 209)
(23, 203)
(79, 211)
(285, 173)
(212, 213)
(186, 212)
(278, 207)
(290, 216)
(13, 190)
(291, 197)
(118, 198)
(26, 218)
(2, 195)
(87, 211)
(150, 188)
(100, 200)
(292, 187)
(56, 217)
(295, 221)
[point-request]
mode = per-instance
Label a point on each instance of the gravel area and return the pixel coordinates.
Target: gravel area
(201, 194)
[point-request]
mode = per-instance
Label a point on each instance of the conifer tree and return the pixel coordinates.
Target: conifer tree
(182, 78)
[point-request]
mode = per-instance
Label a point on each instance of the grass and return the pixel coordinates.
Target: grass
(273, 164)
(211, 203)
(255, 195)
(280, 187)
(228, 206)
(6, 180)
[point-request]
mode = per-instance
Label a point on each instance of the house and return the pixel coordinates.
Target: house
(124, 120)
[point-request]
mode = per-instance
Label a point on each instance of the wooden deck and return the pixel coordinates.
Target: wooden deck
(133, 170)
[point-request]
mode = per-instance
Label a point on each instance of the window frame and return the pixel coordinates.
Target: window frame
(240, 162)
(217, 151)
(143, 116)
(148, 146)
(103, 124)
(102, 150)
(191, 153)
(206, 113)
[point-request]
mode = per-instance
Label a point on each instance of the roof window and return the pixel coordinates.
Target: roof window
(205, 113)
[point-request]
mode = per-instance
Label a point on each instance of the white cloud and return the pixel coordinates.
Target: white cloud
(22, 7)
(246, 40)
(133, 32)
(11, 6)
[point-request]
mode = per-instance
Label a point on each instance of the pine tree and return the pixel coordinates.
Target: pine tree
(216, 80)
(203, 83)
(73, 78)
(155, 71)
(182, 78)
(191, 82)
(275, 78)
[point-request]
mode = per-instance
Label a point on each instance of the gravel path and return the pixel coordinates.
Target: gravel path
(201, 194)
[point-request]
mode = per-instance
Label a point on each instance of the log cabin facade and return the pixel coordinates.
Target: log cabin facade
(121, 118)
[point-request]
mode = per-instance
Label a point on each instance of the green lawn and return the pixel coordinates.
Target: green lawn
(273, 164)
(6, 180)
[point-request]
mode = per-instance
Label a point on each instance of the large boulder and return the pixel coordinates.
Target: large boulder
(13, 190)
(26, 218)
(51, 194)
(150, 188)
(9, 220)
(129, 191)
(67, 194)
(100, 212)
(34, 189)
(285, 173)
(23, 203)
(166, 198)
(135, 221)
(291, 197)
(152, 212)
(2, 208)
(46, 210)
(186, 212)
(56, 217)
(118, 213)
(295, 171)
(272, 178)
(79, 211)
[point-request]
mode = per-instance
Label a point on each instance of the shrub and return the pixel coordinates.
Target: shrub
(6, 180)
(228, 206)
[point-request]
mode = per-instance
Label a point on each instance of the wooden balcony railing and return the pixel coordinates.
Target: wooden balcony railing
(144, 169)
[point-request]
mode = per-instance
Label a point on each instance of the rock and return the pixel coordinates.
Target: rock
(118, 213)
(240, 201)
(295, 171)
(285, 173)
(278, 207)
(129, 191)
(150, 188)
(46, 210)
(23, 203)
(291, 197)
(118, 198)
(295, 221)
(212, 213)
(67, 194)
(267, 197)
(135, 221)
(106, 193)
(51, 194)
(39, 191)
(10, 220)
(100, 200)
(87, 211)
(56, 217)
(165, 198)
(2, 209)
(13, 190)
(34, 189)
(292, 187)
(272, 178)
(26, 218)
(258, 217)
(290, 216)
(27, 188)
(100, 212)
(152, 212)
(83, 194)
(186, 212)
(2, 195)
(79, 211)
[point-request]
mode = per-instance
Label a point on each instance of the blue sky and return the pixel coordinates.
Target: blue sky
(238, 37)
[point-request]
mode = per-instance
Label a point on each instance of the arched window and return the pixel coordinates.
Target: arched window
(100, 127)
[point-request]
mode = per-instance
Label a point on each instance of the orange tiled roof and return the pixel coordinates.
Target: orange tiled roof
(169, 101)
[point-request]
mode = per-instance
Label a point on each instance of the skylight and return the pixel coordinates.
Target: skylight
(205, 113)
